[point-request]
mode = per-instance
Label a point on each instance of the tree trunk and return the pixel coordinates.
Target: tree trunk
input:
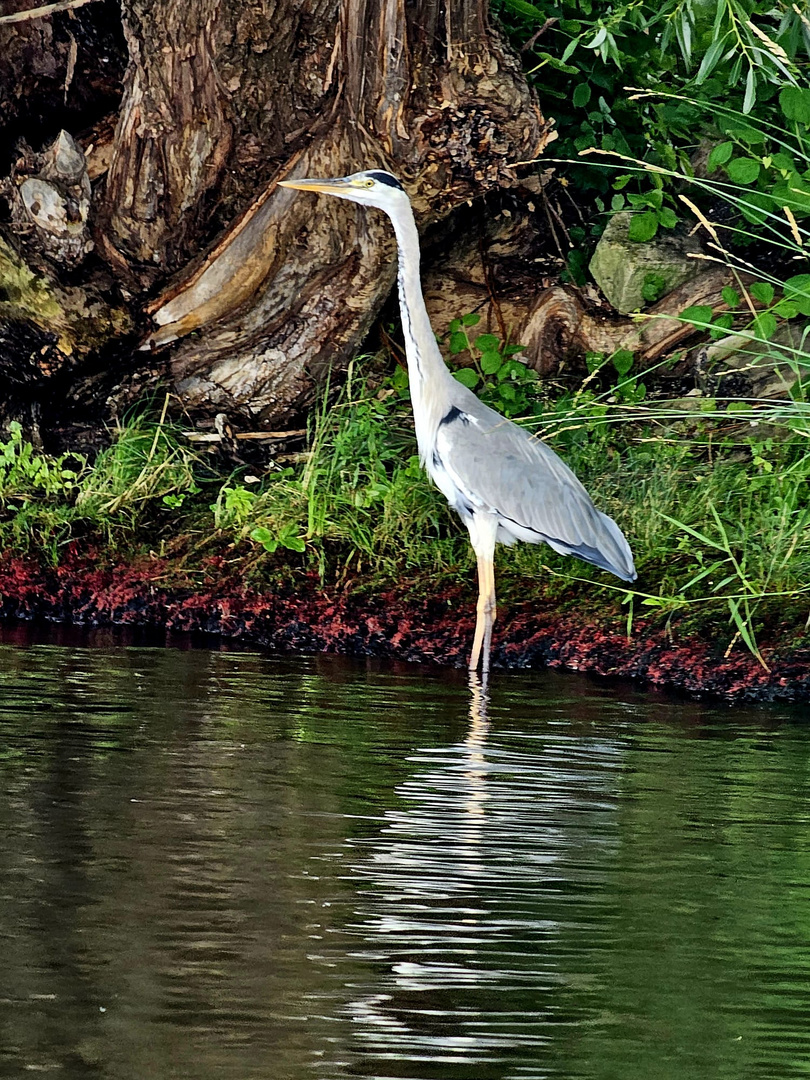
(260, 292)
(321, 88)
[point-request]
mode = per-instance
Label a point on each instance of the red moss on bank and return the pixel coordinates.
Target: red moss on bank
(150, 593)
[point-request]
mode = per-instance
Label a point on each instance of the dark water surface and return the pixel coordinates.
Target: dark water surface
(223, 865)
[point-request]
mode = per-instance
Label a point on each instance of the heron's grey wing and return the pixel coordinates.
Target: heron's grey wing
(500, 467)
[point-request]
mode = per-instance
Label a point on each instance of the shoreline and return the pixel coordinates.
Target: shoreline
(392, 623)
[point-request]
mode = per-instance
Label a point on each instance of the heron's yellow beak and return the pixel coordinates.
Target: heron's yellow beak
(327, 187)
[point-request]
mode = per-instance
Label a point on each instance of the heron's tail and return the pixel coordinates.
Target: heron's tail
(609, 550)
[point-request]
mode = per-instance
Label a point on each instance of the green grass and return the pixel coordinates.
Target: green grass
(715, 509)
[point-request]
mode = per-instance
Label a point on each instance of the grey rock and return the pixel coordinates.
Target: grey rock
(621, 266)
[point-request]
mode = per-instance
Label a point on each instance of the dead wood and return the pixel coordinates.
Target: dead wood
(292, 285)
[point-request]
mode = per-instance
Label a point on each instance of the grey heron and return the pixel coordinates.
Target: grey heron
(504, 484)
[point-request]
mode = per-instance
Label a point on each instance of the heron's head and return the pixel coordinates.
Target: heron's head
(372, 188)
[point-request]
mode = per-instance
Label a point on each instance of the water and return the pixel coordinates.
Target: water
(223, 865)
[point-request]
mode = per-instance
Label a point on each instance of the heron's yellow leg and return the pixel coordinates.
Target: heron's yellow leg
(485, 613)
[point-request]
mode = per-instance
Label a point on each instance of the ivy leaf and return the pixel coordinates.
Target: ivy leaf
(458, 342)
(467, 377)
(730, 297)
(765, 325)
(581, 95)
(622, 360)
(643, 227)
(794, 101)
(265, 538)
(697, 315)
(491, 361)
(720, 155)
(797, 290)
(486, 342)
(290, 539)
(762, 291)
(743, 170)
(786, 309)
(721, 325)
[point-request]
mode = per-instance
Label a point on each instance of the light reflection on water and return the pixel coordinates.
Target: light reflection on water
(218, 864)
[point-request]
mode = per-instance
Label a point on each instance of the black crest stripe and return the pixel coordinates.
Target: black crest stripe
(387, 178)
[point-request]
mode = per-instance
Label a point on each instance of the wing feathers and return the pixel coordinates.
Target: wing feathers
(501, 468)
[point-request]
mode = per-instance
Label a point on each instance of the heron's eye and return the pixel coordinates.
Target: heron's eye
(368, 183)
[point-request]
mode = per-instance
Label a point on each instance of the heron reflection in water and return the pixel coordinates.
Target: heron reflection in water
(504, 484)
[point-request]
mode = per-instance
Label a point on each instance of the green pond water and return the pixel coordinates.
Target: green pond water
(226, 865)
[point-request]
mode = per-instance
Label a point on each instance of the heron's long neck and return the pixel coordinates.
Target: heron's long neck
(426, 368)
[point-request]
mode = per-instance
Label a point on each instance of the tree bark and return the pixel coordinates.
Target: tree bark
(320, 88)
(247, 294)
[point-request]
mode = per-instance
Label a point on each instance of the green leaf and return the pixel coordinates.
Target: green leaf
(797, 290)
(643, 227)
(458, 343)
(667, 217)
(622, 360)
(455, 326)
(719, 155)
(265, 538)
(794, 101)
(507, 391)
(783, 162)
(743, 170)
(762, 291)
(710, 59)
(491, 361)
(751, 135)
(746, 630)
(697, 315)
(471, 319)
(786, 309)
(721, 325)
(547, 59)
(486, 342)
(569, 49)
(750, 98)
(730, 297)
(467, 377)
(653, 287)
(617, 202)
(765, 325)
(291, 541)
(793, 191)
(581, 95)
(523, 7)
(754, 206)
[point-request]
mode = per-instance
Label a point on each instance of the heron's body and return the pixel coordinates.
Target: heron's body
(504, 484)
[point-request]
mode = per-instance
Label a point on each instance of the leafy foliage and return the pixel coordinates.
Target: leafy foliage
(688, 57)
